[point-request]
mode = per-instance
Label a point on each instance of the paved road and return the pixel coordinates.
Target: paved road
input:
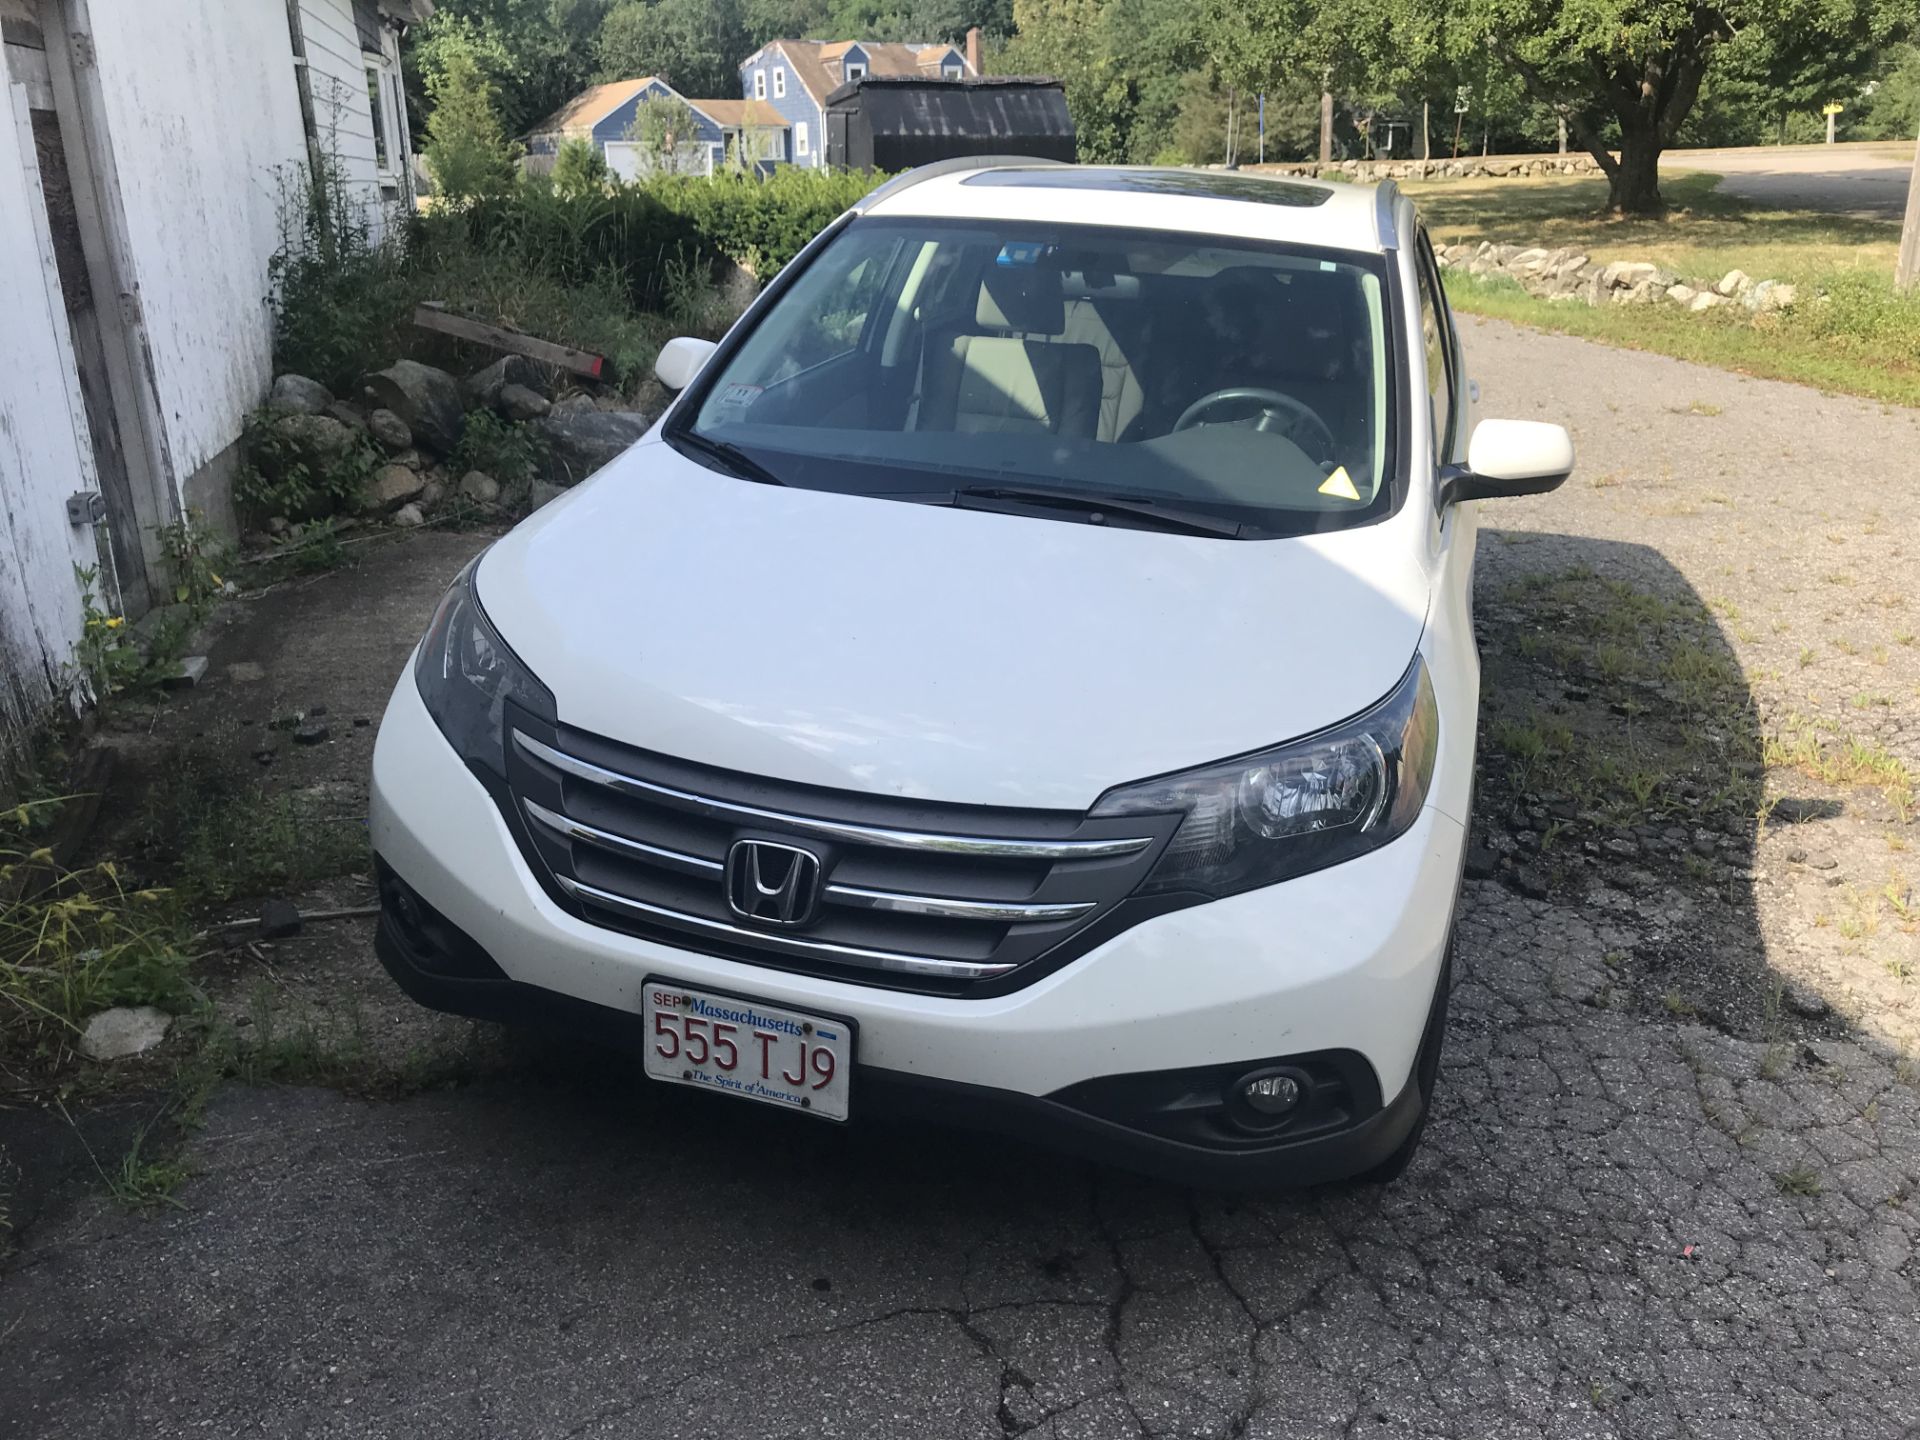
(1598, 1241)
(1865, 180)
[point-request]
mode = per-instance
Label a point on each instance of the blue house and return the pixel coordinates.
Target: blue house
(795, 77)
(605, 115)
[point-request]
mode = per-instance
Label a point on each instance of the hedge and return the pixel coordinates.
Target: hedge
(635, 229)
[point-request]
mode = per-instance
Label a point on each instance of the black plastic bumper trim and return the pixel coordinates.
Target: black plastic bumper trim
(1251, 1163)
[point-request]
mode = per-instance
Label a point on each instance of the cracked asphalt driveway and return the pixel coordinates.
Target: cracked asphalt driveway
(1626, 1222)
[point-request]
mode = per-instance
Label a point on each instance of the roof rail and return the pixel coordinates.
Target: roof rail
(909, 178)
(1386, 200)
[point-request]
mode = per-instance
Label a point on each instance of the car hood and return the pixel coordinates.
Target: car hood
(932, 653)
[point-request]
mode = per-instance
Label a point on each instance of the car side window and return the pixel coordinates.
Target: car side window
(1437, 336)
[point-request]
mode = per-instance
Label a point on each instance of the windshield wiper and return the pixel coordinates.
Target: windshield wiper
(732, 457)
(1192, 522)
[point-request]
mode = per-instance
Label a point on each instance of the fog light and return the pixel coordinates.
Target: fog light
(1270, 1094)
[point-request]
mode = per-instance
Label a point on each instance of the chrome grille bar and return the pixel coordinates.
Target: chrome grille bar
(1016, 911)
(570, 829)
(886, 960)
(924, 841)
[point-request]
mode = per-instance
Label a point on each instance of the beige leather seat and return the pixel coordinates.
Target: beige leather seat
(1120, 388)
(1015, 379)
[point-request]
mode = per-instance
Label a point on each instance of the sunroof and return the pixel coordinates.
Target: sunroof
(1204, 184)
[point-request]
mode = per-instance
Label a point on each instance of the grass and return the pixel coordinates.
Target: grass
(1861, 340)
(1843, 760)
(1704, 235)
(1716, 338)
(1799, 1179)
(73, 942)
(142, 1180)
(228, 838)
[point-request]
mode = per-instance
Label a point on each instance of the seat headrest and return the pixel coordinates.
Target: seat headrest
(1021, 298)
(1305, 321)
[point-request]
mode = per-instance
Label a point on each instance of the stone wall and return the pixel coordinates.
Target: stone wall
(1568, 275)
(1467, 167)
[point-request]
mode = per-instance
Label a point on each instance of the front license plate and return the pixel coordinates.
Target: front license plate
(745, 1048)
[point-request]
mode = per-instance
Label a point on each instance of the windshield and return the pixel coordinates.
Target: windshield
(924, 359)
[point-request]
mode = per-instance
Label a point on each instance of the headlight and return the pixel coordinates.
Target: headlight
(1299, 807)
(466, 674)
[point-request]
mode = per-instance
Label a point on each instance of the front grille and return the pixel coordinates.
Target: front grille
(917, 895)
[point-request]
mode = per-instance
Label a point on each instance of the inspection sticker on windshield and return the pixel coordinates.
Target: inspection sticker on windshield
(740, 395)
(1340, 484)
(745, 1048)
(1021, 252)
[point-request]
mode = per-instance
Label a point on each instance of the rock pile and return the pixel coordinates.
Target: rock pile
(1568, 275)
(1465, 167)
(398, 437)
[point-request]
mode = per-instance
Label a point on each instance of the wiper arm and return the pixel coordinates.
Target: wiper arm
(1192, 522)
(732, 457)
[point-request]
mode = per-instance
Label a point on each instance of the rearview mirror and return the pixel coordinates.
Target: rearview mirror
(1509, 457)
(680, 360)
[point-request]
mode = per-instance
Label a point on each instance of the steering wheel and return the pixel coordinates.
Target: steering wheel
(1272, 402)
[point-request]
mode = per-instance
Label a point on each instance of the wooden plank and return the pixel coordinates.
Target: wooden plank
(432, 315)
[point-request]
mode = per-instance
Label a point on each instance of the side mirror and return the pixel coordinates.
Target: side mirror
(1509, 457)
(680, 360)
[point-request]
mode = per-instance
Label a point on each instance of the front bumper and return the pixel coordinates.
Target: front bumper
(1342, 963)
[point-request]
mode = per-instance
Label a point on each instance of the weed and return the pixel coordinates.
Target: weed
(1845, 762)
(105, 656)
(1799, 1179)
(142, 1181)
(508, 452)
(191, 552)
(76, 942)
(1806, 656)
(295, 467)
(229, 838)
(1677, 1004)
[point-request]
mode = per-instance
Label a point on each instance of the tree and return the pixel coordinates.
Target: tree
(467, 152)
(661, 127)
(579, 169)
(696, 46)
(1624, 74)
(536, 54)
(1121, 63)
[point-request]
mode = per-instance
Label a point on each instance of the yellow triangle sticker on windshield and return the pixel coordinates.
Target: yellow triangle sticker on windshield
(1338, 483)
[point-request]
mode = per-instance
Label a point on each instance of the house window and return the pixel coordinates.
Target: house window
(951, 71)
(377, 112)
(759, 84)
(799, 138)
(779, 83)
(855, 70)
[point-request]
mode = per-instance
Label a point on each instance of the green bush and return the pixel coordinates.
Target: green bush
(508, 452)
(339, 298)
(614, 270)
(762, 223)
(298, 465)
(595, 312)
(1861, 311)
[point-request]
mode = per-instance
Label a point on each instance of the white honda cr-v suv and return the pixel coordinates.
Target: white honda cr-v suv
(1026, 677)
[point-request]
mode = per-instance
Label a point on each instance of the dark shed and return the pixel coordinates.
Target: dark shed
(895, 122)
